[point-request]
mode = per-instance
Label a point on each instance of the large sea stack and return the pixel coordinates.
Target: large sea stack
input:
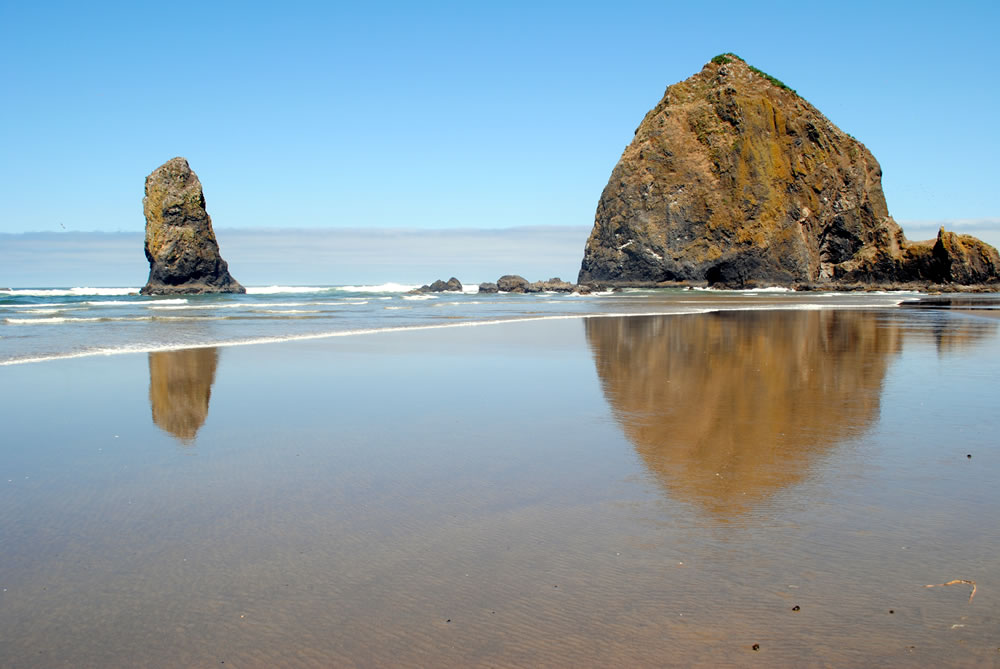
(736, 181)
(180, 243)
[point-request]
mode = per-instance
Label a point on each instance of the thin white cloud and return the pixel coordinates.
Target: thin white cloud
(306, 256)
(341, 255)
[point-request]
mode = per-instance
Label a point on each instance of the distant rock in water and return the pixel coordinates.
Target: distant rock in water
(736, 181)
(180, 243)
(512, 283)
(450, 286)
(554, 285)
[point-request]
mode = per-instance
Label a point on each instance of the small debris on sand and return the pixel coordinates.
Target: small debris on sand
(956, 582)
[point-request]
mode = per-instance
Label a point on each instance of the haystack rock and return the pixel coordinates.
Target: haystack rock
(180, 243)
(736, 181)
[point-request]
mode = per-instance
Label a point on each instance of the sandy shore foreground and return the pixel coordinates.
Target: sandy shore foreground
(768, 488)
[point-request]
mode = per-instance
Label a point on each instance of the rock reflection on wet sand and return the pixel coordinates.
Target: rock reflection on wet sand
(180, 387)
(730, 407)
(756, 488)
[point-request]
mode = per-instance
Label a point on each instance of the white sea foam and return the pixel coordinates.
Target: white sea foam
(383, 288)
(419, 297)
(276, 290)
(61, 320)
(391, 308)
(745, 291)
(56, 320)
(118, 303)
(285, 311)
(676, 311)
(251, 305)
(55, 310)
(36, 305)
(470, 290)
(66, 292)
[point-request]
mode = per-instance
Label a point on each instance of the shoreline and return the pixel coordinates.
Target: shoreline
(442, 326)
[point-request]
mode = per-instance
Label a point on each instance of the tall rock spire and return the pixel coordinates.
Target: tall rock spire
(180, 243)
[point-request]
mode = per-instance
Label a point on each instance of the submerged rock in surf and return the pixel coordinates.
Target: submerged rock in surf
(181, 248)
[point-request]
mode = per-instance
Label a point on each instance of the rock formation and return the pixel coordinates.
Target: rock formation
(512, 283)
(439, 286)
(554, 285)
(734, 180)
(180, 243)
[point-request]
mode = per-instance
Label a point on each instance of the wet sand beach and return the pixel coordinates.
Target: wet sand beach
(743, 488)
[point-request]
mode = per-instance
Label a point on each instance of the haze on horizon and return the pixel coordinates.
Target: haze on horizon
(443, 116)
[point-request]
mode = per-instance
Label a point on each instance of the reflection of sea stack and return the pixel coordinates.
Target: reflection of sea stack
(734, 179)
(181, 248)
(725, 409)
(180, 386)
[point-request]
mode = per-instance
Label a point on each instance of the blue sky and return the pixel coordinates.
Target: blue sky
(456, 115)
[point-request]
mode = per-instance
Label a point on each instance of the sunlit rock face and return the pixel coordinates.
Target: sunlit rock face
(735, 180)
(181, 248)
(180, 387)
(727, 409)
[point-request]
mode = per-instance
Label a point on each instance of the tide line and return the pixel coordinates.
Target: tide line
(408, 328)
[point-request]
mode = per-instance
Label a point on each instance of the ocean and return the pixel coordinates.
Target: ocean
(54, 323)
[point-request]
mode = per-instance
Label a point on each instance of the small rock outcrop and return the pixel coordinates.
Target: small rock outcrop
(963, 259)
(181, 248)
(488, 287)
(734, 180)
(555, 285)
(512, 283)
(439, 286)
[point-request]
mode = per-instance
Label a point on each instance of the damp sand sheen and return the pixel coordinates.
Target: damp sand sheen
(728, 487)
